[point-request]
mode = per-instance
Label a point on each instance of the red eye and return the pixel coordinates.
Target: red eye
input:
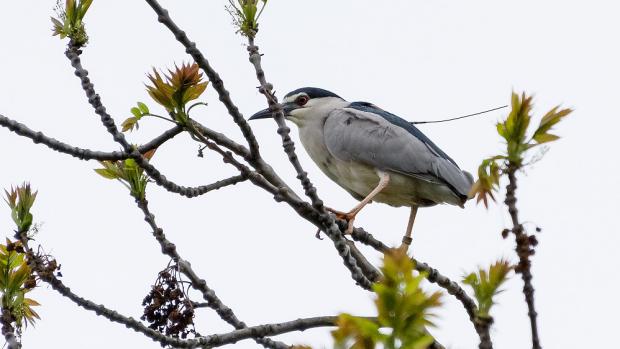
(301, 100)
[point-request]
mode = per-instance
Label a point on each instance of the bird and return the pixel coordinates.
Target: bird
(373, 154)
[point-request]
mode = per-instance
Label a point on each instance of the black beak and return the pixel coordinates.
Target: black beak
(266, 113)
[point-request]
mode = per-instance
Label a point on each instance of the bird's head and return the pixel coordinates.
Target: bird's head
(305, 104)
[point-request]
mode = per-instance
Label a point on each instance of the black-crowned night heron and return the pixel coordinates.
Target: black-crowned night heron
(373, 154)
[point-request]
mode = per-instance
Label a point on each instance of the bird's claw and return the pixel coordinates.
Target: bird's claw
(318, 234)
(349, 217)
(349, 230)
(339, 214)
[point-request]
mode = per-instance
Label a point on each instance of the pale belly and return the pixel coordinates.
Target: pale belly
(402, 190)
(359, 179)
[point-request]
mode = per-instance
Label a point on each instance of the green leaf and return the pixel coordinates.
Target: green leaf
(501, 129)
(136, 112)
(26, 222)
(58, 27)
(84, 5)
(488, 180)
(70, 10)
(403, 308)
(105, 173)
(129, 124)
(175, 89)
(31, 302)
(127, 172)
(545, 137)
(193, 92)
(18, 277)
(361, 332)
(550, 119)
(114, 168)
(143, 108)
(21, 199)
(486, 284)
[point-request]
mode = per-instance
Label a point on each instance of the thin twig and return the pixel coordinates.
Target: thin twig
(283, 130)
(82, 153)
(284, 192)
(112, 315)
(482, 326)
(214, 302)
(8, 331)
(372, 273)
(73, 53)
(253, 156)
(210, 341)
(327, 220)
(523, 249)
(274, 184)
(87, 154)
(215, 340)
(214, 78)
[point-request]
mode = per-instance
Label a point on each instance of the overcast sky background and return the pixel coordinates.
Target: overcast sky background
(422, 60)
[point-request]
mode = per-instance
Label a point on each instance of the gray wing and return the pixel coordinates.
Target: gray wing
(360, 133)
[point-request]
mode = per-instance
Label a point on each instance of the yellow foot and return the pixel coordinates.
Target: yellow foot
(348, 216)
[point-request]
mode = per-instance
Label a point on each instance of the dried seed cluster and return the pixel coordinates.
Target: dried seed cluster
(167, 307)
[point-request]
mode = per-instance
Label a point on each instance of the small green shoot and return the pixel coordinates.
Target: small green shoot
(70, 21)
(16, 279)
(173, 92)
(127, 172)
(245, 15)
(486, 285)
(20, 200)
(514, 130)
(404, 310)
(138, 113)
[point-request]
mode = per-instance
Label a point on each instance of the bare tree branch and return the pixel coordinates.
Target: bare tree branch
(8, 331)
(283, 130)
(214, 78)
(482, 326)
(109, 314)
(73, 53)
(87, 154)
(372, 273)
(523, 251)
(253, 156)
(256, 161)
(253, 168)
(81, 153)
(243, 332)
(281, 194)
(37, 264)
(274, 329)
(211, 341)
(213, 301)
(222, 140)
(325, 220)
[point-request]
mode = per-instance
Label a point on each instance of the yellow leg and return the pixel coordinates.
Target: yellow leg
(407, 237)
(384, 180)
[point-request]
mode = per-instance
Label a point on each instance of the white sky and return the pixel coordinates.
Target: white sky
(419, 59)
